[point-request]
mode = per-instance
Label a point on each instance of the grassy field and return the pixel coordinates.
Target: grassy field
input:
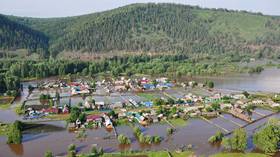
(3, 129)
(178, 122)
(148, 154)
(239, 155)
(147, 96)
(58, 116)
(5, 102)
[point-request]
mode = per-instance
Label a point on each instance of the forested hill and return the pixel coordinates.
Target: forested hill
(14, 36)
(162, 28)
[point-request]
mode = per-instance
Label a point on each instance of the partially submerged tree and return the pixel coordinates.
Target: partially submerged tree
(268, 138)
(48, 154)
(15, 133)
(216, 138)
(237, 142)
(123, 139)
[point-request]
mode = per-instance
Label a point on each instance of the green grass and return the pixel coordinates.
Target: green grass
(239, 155)
(58, 116)
(123, 121)
(3, 129)
(4, 106)
(5, 102)
(147, 96)
(178, 122)
(18, 110)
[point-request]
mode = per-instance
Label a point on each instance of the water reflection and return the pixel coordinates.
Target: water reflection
(266, 81)
(17, 149)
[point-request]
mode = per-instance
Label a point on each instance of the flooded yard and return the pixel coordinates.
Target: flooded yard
(54, 136)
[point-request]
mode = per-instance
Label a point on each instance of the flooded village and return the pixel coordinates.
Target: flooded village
(178, 115)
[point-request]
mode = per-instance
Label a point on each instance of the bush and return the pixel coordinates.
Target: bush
(123, 139)
(216, 138)
(48, 154)
(268, 138)
(44, 96)
(15, 133)
(71, 150)
(156, 139)
(237, 142)
(170, 131)
(136, 131)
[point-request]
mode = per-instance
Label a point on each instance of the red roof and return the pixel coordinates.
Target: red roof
(50, 110)
(93, 117)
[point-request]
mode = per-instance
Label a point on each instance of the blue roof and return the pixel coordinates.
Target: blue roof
(148, 86)
(148, 103)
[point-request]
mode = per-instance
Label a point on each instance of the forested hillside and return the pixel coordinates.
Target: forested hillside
(162, 28)
(14, 36)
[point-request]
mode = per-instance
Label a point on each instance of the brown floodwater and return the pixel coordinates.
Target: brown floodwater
(55, 137)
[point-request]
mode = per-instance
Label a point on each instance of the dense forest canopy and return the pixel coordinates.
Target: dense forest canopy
(153, 28)
(14, 35)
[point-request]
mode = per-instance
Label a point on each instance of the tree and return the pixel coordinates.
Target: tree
(15, 133)
(71, 150)
(123, 139)
(249, 109)
(216, 138)
(83, 117)
(57, 97)
(170, 131)
(210, 84)
(158, 102)
(268, 138)
(74, 114)
(246, 94)
(237, 142)
(48, 154)
(216, 106)
(170, 101)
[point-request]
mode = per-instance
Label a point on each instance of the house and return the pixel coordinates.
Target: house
(148, 86)
(78, 123)
(209, 114)
(162, 80)
(148, 104)
(108, 123)
(53, 110)
(65, 109)
(275, 105)
(88, 104)
(144, 80)
(225, 105)
(100, 105)
(120, 88)
(164, 85)
(239, 96)
(96, 119)
(258, 102)
(116, 105)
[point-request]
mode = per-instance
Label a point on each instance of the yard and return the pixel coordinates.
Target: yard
(147, 96)
(5, 102)
(3, 129)
(178, 122)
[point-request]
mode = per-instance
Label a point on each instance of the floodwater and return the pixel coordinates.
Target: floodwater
(267, 81)
(55, 137)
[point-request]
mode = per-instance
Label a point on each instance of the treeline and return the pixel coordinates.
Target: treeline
(161, 28)
(178, 64)
(16, 36)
